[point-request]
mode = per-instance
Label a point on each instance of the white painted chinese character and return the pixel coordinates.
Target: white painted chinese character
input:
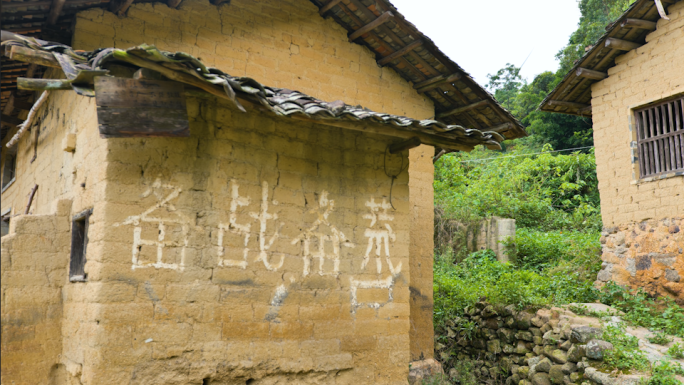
(263, 216)
(235, 228)
(159, 215)
(315, 232)
(380, 237)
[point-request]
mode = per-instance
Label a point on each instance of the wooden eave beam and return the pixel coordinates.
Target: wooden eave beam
(28, 55)
(328, 6)
(404, 145)
(119, 7)
(460, 110)
(382, 19)
(55, 11)
(622, 45)
(401, 52)
(591, 74)
(439, 82)
(638, 23)
(571, 105)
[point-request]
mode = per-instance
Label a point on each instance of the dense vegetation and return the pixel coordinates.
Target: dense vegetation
(550, 188)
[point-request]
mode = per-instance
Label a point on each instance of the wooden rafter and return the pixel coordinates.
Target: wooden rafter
(400, 52)
(385, 17)
(460, 110)
(591, 74)
(55, 11)
(119, 7)
(572, 105)
(622, 45)
(638, 23)
(442, 79)
(328, 6)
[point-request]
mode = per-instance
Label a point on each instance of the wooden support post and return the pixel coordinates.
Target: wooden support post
(328, 6)
(382, 19)
(591, 74)
(119, 7)
(622, 45)
(30, 199)
(638, 23)
(460, 110)
(434, 85)
(571, 105)
(404, 145)
(29, 55)
(43, 84)
(401, 52)
(55, 11)
(11, 120)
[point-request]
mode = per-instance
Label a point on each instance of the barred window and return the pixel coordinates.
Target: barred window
(660, 137)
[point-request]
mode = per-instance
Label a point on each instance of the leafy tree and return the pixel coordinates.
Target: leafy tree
(505, 85)
(596, 15)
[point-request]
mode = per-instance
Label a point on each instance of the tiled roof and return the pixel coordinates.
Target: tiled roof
(81, 67)
(376, 24)
(573, 94)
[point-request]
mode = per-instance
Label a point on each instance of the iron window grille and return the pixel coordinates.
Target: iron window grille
(660, 137)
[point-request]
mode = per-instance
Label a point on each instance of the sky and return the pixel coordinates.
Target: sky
(482, 36)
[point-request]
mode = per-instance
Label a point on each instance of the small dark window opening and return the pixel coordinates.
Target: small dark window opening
(660, 137)
(10, 167)
(5, 223)
(79, 242)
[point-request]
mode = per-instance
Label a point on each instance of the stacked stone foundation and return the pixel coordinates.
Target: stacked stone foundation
(648, 255)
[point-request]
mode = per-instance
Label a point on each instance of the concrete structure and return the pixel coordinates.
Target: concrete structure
(261, 249)
(642, 208)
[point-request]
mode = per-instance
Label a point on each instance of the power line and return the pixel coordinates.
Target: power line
(534, 153)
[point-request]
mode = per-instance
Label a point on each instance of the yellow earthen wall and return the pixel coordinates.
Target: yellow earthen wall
(280, 43)
(36, 308)
(647, 74)
(296, 320)
(421, 198)
(284, 44)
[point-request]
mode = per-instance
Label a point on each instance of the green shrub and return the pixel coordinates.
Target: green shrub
(676, 351)
(625, 353)
(457, 286)
(663, 373)
(659, 339)
(538, 250)
(662, 314)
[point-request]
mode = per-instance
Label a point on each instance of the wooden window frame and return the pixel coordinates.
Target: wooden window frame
(11, 153)
(660, 138)
(6, 217)
(79, 245)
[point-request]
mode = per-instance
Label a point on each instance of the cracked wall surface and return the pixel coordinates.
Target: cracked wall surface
(244, 252)
(257, 250)
(40, 321)
(642, 218)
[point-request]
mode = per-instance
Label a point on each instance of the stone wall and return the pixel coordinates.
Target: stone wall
(34, 258)
(523, 348)
(649, 255)
(637, 213)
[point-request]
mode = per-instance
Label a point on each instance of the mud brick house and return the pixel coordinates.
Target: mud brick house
(631, 84)
(182, 215)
